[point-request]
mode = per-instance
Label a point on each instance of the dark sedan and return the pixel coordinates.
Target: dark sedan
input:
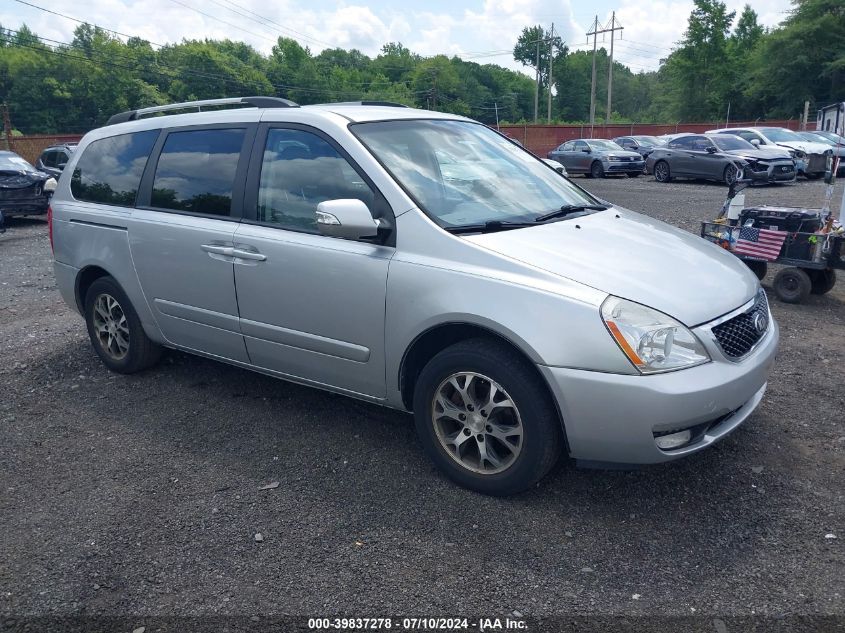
(23, 189)
(597, 158)
(716, 157)
(640, 143)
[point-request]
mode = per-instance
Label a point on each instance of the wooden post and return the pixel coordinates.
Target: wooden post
(7, 127)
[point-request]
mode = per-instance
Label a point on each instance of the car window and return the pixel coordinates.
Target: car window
(196, 171)
(110, 169)
(627, 143)
(747, 135)
(680, 143)
(580, 145)
(48, 159)
(300, 170)
(62, 159)
(568, 147)
(698, 143)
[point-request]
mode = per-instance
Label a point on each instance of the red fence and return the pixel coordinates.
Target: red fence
(541, 139)
(30, 147)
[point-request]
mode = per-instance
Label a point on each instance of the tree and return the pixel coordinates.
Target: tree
(525, 51)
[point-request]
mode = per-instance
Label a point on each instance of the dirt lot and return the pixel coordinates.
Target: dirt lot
(139, 496)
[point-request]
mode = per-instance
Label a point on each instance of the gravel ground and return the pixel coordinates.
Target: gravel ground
(139, 496)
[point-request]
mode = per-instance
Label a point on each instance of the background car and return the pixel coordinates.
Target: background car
(810, 158)
(643, 145)
(715, 157)
(597, 158)
(54, 158)
(558, 167)
(836, 142)
(24, 190)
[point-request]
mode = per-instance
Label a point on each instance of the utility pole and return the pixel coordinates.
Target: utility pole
(7, 127)
(612, 28)
(496, 106)
(537, 75)
(551, 57)
(806, 114)
(594, 31)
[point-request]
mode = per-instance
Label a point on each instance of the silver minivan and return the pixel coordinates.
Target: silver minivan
(417, 260)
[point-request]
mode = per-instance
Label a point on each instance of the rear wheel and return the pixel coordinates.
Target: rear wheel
(596, 170)
(115, 329)
(661, 171)
(822, 281)
(485, 418)
(792, 285)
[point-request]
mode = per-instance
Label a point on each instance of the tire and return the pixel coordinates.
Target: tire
(596, 169)
(115, 329)
(792, 285)
(729, 175)
(813, 176)
(822, 281)
(758, 268)
(661, 171)
(475, 366)
(633, 175)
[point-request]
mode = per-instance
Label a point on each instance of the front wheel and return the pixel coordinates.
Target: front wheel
(729, 175)
(661, 172)
(115, 329)
(596, 170)
(486, 419)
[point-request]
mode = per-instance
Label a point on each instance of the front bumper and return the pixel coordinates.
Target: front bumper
(613, 417)
(777, 172)
(623, 167)
(24, 206)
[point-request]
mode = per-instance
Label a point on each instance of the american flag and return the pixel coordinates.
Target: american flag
(761, 243)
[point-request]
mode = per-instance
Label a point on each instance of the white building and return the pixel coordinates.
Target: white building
(832, 118)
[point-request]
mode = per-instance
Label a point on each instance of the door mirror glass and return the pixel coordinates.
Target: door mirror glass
(346, 218)
(711, 149)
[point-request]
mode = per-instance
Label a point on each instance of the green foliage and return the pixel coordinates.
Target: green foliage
(721, 60)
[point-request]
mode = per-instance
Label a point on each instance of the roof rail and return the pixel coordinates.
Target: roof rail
(256, 102)
(388, 104)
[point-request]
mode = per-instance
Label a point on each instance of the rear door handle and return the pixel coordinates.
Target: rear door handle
(251, 255)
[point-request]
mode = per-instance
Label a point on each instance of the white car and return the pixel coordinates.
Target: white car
(810, 158)
(558, 167)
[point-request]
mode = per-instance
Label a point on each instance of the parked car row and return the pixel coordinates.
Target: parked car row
(765, 154)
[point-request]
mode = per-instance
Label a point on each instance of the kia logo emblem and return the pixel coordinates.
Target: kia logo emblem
(760, 322)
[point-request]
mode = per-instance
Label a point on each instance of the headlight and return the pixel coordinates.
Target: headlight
(800, 154)
(613, 158)
(651, 340)
(50, 185)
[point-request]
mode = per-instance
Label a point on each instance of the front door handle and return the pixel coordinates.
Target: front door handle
(251, 255)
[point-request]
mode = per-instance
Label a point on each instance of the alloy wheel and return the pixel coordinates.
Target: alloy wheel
(661, 172)
(477, 423)
(111, 326)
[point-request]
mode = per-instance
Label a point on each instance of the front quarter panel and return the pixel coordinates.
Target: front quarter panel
(553, 320)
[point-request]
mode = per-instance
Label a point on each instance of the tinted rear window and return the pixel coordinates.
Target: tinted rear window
(196, 171)
(109, 170)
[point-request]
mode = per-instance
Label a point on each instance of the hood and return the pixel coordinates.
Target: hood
(634, 257)
(623, 153)
(807, 147)
(764, 153)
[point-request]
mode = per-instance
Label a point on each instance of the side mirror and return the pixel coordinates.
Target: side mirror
(346, 218)
(711, 149)
(755, 142)
(50, 186)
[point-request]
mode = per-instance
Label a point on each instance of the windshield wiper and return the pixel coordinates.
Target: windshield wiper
(568, 209)
(487, 227)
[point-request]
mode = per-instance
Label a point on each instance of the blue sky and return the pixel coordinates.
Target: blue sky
(482, 30)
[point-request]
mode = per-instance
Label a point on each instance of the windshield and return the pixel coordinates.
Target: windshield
(840, 140)
(779, 135)
(648, 141)
(600, 144)
(12, 162)
(463, 173)
(816, 138)
(728, 142)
